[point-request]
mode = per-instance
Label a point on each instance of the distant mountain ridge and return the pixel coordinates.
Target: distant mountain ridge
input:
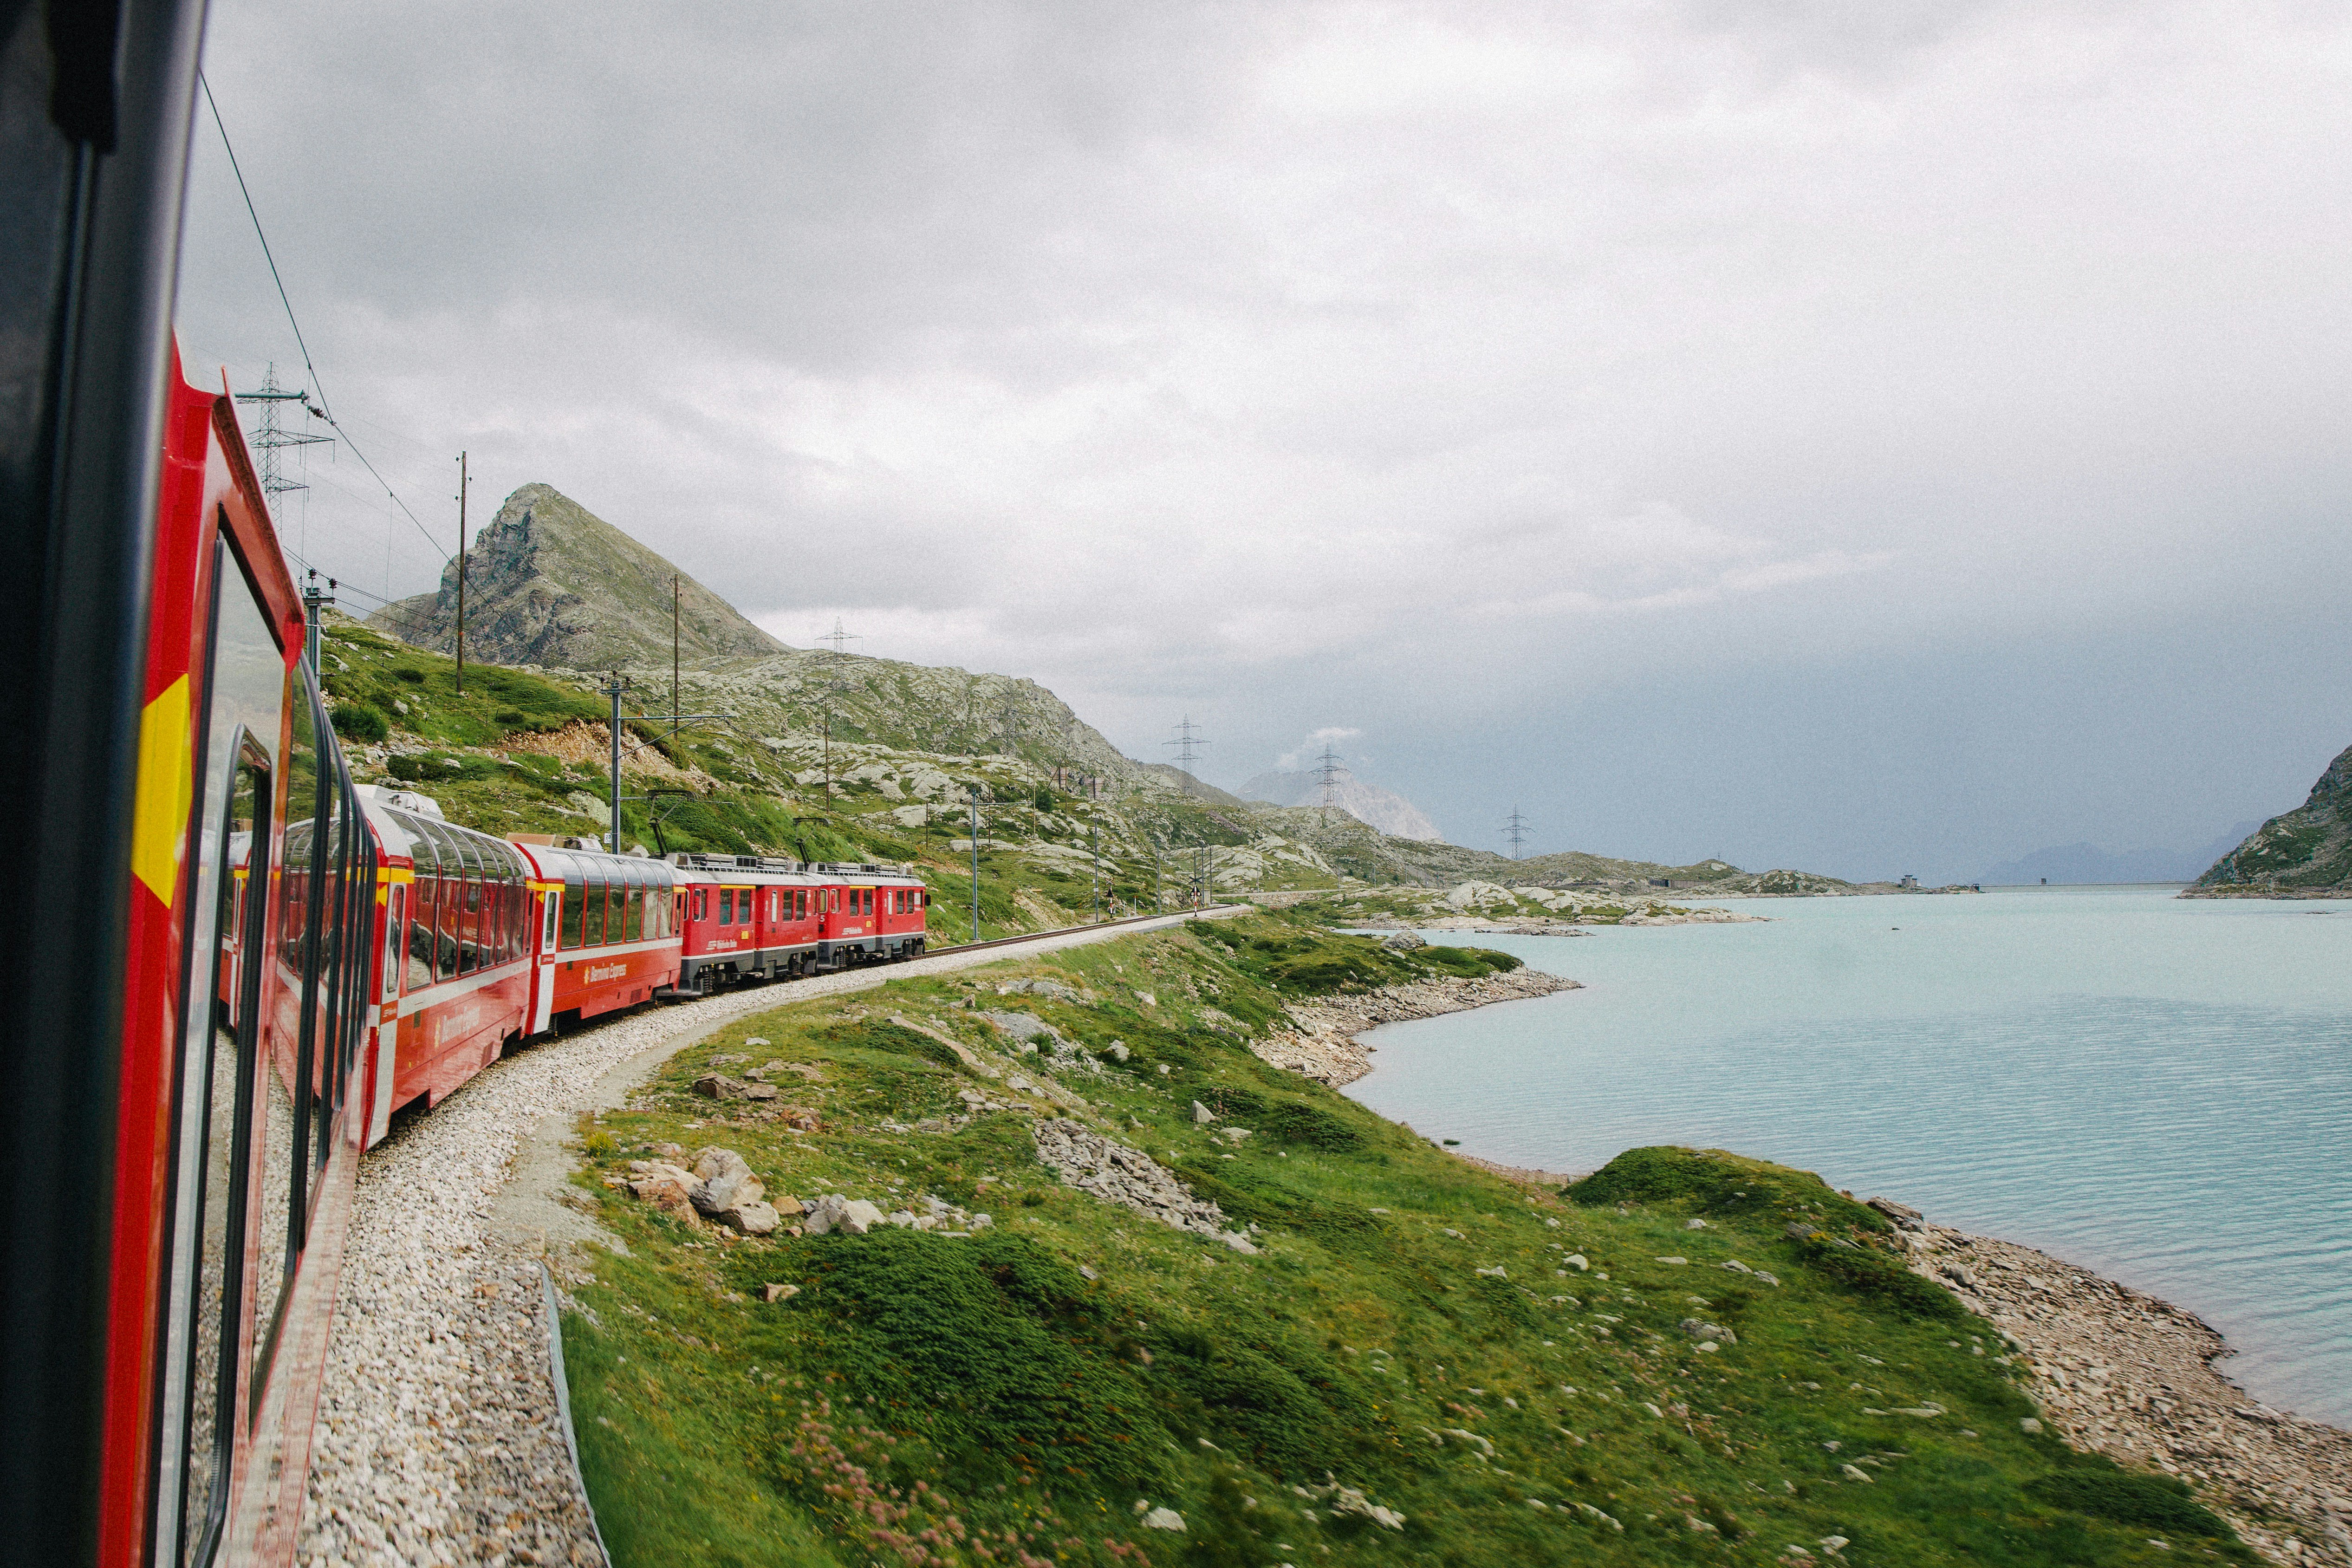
(2079, 864)
(551, 583)
(551, 586)
(2306, 850)
(1385, 809)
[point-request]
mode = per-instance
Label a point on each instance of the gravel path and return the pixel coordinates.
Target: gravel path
(438, 1439)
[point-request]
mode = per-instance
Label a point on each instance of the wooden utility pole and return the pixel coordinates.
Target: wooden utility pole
(462, 482)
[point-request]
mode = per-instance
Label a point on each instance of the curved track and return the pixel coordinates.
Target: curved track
(438, 1439)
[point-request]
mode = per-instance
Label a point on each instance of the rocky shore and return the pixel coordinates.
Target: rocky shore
(1322, 1044)
(2263, 891)
(2130, 1376)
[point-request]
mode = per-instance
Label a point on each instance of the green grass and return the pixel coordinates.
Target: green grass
(1019, 1395)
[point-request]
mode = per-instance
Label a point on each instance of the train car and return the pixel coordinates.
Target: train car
(872, 914)
(246, 1015)
(747, 917)
(607, 934)
(450, 966)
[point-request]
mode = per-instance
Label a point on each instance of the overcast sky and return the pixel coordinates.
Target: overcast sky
(1870, 437)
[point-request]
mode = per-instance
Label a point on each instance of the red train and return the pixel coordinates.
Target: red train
(309, 956)
(747, 917)
(235, 963)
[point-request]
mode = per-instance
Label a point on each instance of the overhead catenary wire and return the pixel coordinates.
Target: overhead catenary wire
(325, 409)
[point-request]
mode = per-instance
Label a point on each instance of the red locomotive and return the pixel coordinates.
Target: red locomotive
(749, 917)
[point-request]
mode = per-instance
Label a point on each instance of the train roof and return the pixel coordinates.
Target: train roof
(557, 863)
(411, 825)
(696, 867)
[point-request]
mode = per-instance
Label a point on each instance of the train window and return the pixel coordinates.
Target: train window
(634, 915)
(445, 933)
(214, 1092)
(574, 907)
(594, 935)
(420, 931)
(395, 922)
(701, 903)
(469, 927)
(727, 906)
(276, 1099)
(551, 905)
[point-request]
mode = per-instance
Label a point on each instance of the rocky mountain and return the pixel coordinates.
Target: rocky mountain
(1385, 809)
(2308, 851)
(548, 582)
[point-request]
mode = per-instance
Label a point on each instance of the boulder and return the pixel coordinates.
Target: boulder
(1044, 988)
(1021, 1026)
(858, 1216)
(823, 1213)
(1905, 1217)
(668, 1187)
(1698, 1330)
(725, 1181)
(718, 1086)
(752, 1218)
(1201, 1115)
(1163, 1518)
(1402, 941)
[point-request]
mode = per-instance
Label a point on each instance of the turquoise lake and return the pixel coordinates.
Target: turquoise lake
(2157, 1088)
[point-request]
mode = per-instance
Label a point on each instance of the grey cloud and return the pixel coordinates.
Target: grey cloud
(1439, 365)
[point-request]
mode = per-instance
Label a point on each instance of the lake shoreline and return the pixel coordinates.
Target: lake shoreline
(2113, 1370)
(1322, 1042)
(2127, 1374)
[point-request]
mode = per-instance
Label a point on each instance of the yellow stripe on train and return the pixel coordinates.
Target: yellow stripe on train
(166, 789)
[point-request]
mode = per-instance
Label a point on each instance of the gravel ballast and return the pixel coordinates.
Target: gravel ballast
(437, 1438)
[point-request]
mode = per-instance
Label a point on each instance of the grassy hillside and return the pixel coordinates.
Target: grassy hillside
(526, 751)
(1688, 1358)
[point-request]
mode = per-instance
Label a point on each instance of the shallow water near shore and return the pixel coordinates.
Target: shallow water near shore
(2157, 1089)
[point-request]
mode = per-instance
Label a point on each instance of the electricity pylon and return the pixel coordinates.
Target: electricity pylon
(1516, 830)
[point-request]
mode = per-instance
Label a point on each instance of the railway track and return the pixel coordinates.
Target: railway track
(438, 1439)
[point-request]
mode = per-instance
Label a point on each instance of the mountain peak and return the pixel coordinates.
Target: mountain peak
(550, 582)
(1368, 803)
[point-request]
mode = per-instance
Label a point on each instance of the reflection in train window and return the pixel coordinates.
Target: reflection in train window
(218, 1082)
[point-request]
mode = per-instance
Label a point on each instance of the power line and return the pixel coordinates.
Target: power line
(1329, 770)
(1516, 830)
(1188, 743)
(325, 409)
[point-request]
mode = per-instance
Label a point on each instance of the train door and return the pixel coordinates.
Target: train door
(542, 968)
(384, 1033)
